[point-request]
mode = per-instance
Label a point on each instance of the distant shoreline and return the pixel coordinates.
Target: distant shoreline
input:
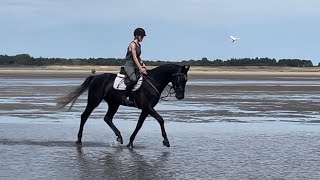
(195, 71)
(193, 68)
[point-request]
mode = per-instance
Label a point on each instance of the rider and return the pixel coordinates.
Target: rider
(134, 64)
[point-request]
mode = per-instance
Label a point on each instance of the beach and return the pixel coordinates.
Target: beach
(234, 123)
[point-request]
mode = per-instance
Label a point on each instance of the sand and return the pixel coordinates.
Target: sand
(196, 72)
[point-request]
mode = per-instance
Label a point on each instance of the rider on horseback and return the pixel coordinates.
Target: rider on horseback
(134, 65)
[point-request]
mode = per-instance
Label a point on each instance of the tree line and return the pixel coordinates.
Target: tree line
(26, 59)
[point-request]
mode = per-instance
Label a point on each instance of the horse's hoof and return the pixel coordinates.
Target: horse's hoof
(120, 140)
(78, 142)
(166, 143)
(130, 145)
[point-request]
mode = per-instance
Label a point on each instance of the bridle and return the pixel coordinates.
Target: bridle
(153, 84)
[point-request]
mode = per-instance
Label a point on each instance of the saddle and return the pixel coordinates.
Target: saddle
(121, 81)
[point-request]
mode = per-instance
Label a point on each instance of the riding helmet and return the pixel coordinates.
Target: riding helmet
(139, 32)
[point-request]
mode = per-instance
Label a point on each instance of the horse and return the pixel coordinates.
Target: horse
(100, 87)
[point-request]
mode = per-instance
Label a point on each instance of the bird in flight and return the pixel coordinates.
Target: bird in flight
(234, 39)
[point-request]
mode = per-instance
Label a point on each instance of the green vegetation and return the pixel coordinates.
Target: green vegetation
(25, 59)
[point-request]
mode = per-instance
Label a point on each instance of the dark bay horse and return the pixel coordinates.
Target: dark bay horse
(100, 87)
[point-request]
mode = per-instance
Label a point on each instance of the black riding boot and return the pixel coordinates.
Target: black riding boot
(124, 99)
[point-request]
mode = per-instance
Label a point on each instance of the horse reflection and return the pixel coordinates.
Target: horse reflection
(119, 164)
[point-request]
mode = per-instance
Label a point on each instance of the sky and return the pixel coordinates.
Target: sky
(176, 29)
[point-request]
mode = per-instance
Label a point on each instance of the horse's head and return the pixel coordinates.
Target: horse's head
(179, 81)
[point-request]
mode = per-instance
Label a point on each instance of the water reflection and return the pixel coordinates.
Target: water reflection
(226, 82)
(122, 163)
(40, 82)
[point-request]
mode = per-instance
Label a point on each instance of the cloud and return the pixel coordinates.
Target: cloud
(204, 12)
(101, 11)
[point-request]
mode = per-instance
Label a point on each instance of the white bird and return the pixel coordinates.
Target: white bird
(233, 39)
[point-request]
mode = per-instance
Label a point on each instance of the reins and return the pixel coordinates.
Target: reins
(148, 79)
(171, 87)
(152, 82)
(169, 94)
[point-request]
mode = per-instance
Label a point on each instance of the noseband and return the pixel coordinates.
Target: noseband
(172, 87)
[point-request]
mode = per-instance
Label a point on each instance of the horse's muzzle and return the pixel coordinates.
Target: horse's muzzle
(179, 96)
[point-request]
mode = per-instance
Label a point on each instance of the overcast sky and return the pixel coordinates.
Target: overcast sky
(176, 29)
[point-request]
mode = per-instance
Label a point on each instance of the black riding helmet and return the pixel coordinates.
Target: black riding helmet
(139, 32)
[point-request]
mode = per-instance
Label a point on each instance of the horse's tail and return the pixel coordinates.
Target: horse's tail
(73, 95)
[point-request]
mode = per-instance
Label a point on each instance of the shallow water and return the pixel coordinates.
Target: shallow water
(201, 151)
(223, 82)
(229, 134)
(23, 97)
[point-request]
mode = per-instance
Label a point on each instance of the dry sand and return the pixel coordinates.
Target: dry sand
(197, 72)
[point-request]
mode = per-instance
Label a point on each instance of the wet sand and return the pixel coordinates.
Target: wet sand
(231, 125)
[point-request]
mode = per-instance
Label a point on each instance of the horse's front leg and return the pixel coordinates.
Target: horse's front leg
(108, 119)
(142, 117)
(155, 114)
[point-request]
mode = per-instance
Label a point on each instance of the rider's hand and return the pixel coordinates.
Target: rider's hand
(143, 65)
(143, 70)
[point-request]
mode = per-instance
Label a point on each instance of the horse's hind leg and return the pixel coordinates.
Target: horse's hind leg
(112, 109)
(92, 104)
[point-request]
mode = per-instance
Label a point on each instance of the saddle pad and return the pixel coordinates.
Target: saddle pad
(119, 83)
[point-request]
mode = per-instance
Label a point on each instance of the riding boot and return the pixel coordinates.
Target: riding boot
(124, 99)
